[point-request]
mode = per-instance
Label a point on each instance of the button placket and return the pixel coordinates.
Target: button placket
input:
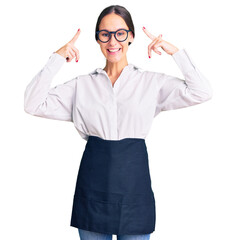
(114, 91)
(115, 114)
(113, 110)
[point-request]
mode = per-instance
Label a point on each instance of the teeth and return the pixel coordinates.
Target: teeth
(115, 50)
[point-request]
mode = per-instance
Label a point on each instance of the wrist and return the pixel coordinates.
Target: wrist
(174, 51)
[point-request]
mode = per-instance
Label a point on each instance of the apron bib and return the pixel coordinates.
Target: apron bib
(113, 193)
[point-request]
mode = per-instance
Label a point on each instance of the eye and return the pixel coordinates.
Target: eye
(105, 34)
(121, 33)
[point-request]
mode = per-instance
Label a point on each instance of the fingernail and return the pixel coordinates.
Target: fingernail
(149, 56)
(76, 60)
(144, 28)
(161, 35)
(78, 29)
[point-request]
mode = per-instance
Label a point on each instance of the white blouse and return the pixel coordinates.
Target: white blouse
(125, 110)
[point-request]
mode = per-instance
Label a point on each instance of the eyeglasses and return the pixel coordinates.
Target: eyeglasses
(120, 35)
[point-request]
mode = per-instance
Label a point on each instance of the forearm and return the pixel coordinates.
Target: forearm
(37, 90)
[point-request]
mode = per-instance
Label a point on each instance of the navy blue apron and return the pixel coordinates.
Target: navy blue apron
(113, 193)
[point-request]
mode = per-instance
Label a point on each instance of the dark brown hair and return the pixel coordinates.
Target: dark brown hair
(122, 12)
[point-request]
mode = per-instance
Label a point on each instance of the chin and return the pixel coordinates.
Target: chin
(113, 60)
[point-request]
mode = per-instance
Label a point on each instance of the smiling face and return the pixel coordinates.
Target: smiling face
(113, 22)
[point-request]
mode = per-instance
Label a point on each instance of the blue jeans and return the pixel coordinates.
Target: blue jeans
(87, 235)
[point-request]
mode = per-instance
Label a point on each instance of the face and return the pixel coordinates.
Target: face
(113, 22)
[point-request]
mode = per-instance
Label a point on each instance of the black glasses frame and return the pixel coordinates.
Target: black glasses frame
(114, 32)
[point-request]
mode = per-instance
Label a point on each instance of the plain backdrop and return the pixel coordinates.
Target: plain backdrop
(192, 151)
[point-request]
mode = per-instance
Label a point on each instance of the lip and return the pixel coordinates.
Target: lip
(114, 53)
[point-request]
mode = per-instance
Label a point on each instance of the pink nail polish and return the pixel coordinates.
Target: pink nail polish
(144, 28)
(76, 60)
(149, 56)
(78, 29)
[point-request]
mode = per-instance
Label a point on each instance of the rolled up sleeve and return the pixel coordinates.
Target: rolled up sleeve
(174, 92)
(43, 101)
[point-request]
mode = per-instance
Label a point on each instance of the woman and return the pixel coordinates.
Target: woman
(112, 109)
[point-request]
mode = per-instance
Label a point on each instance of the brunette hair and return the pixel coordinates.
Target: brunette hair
(122, 12)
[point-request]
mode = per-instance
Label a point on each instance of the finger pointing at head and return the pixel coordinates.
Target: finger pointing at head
(152, 37)
(75, 37)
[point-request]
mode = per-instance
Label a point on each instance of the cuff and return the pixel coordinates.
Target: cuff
(183, 60)
(54, 63)
(59, 56)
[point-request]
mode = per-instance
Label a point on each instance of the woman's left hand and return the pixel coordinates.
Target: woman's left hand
(159, 42)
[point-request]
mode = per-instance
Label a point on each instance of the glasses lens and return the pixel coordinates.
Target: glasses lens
(121, 35)
(104, 36)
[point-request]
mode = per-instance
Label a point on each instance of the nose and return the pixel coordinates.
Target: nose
(112, 39)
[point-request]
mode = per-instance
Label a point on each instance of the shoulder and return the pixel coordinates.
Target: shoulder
(133, 67)
(149, 74)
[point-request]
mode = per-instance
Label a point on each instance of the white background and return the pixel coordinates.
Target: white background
(192, 151)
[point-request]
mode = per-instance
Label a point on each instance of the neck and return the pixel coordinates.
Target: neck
(115, 68)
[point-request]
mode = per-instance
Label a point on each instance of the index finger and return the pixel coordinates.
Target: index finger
(148, 34)
(76, 36)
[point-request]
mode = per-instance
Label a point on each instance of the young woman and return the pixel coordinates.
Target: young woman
(112, 109)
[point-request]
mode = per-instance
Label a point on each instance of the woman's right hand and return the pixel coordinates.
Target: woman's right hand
(69, 51)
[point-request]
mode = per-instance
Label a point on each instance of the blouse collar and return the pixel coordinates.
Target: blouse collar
(129, 67)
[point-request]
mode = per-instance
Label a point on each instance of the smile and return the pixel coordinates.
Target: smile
(113, 51)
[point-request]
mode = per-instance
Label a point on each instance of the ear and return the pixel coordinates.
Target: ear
(131, 37)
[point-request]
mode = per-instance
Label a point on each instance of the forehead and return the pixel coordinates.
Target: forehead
(112, 22)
